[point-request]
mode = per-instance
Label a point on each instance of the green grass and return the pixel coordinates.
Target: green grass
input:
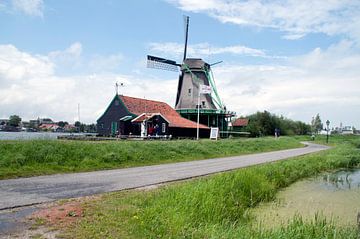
(217, 206)
(37, 157)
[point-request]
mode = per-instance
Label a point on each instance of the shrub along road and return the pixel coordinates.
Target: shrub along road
(27, 191)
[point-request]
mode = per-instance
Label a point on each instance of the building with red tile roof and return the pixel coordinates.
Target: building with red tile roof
(120, 114)
(240, 122)
(51, 127)
(138, 106)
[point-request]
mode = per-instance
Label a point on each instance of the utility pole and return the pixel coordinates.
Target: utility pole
(198, 115)
(79, 116)
(327, 131)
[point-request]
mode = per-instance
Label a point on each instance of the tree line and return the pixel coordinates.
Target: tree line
(15, 121)
(265, 123)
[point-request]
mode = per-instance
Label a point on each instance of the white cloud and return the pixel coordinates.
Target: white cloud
(31, 88)
(324, 81)
(72, 60)
(29, 7)
(101, 63)
(73, 51)
(293, 36)
(16, 65)
(203, 49)
(69, 58)
(295, 18)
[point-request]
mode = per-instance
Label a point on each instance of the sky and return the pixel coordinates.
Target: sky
(289, 57)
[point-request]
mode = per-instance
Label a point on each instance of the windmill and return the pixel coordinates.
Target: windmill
(193, 73)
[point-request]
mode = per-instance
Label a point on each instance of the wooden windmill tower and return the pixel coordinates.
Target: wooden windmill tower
(194, 72)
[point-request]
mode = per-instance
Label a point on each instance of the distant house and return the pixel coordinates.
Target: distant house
(34, 123)
(325, 132)
(347, 130)
(4, 121)
(25, 124)
(135, 116)
(69, 128)
(46, 121)
(39, 121)
(344, 130)
(49, 127)
(240, 124)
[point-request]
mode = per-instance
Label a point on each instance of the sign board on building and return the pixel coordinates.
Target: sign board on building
(214, 133)
(205, 89)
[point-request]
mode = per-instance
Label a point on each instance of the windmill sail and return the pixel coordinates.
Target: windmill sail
(186, 23)
(162, 63)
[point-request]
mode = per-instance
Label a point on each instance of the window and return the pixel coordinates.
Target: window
(203, 104)
(189, 92)
(117, 102)
(163, 127)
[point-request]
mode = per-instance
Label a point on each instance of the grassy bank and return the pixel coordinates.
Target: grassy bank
(37, 157)
(216, 206)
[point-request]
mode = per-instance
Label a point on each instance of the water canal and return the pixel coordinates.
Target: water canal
(34, 135)
(335, 196)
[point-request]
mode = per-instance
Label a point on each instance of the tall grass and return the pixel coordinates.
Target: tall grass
(217, 206)
(296, 228)
(28, 158)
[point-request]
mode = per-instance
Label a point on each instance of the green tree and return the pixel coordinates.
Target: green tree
(90, 128)
(302, 128)
(62, 123)
(77, 124)
(14, 120)
(316, 124)
(265, 123)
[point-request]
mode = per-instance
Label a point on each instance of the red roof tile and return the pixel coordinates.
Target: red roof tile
(48, 126)
(147, 116)
(139, 106)
(241, 122)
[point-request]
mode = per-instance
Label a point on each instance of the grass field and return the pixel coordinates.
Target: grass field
(38, 157)
(216, 206)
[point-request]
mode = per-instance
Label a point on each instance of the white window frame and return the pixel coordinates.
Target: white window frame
(163, 127)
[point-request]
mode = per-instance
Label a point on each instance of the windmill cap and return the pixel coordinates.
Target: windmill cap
(196, 63)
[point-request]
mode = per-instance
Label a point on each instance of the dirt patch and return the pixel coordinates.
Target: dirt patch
(59, 214)
(49, 219)
(63, 212)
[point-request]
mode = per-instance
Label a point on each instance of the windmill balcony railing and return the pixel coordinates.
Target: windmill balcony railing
(206, 111)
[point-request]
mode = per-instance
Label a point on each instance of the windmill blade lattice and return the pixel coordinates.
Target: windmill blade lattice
(162, 64)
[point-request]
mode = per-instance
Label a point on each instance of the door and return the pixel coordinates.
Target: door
(114, 128)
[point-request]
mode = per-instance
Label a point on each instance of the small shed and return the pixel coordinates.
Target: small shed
(240, 124)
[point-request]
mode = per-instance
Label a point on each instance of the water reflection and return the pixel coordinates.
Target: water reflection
(33, 135)
(342, 180)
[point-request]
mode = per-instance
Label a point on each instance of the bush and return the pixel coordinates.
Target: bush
(265, 123)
